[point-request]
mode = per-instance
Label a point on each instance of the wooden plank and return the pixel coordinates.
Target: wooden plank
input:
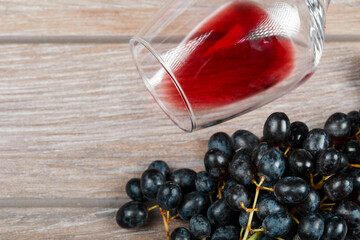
(77, 122)
(75, 17)
(121, 17)
(75, 223)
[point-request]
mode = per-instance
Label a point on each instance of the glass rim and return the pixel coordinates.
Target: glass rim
(162, 63)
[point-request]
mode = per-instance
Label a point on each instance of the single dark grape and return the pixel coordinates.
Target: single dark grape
(131, 215)
(221, 141)
(169, 196)
(352, 151)
(338, 127)
(242, 170)
(226, 233)
(339, 187)
(244, 219)
(310, 204)
(277, 224)
(355, 196)
(205, 184)
(267, 206)
(311, 227)
(291, 190)
(354, 119)
(272, 165)
(301, 163)
(162, 166)
(220, 214)
(328, 162)
(150, 182)
(185, 177)
(133, 190)
(181, 234)
(237, 194)
(349, 211)
(355, 174)
(344, 162)
(259, 151)
(193, 204)
(200, 227)
(277, 129)
(243, 139)
(335, 229)
(316, 141)
(299, 132)
(216, 164)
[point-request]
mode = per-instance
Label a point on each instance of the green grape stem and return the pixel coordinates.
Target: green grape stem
(220, 188)
(320, 184)
(172, 218)
(256, 235)
(211, 199)
(241, 233)
(251, 215)
(294, 218)
(165, 224)
(152, 208)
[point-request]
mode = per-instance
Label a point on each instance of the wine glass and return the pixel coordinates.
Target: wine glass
(207, 61)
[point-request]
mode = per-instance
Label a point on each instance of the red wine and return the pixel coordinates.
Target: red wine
(226, 62)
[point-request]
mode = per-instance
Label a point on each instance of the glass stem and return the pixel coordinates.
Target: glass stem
(326, 3)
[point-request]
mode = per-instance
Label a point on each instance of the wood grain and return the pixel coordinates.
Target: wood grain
(74, 223)
(121, 17)
(77, 122)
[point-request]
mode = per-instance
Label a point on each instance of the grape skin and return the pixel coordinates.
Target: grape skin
(200, 227)
(272, 165)
(133, 190)
(226, 233)
(310, 204)
(339, 187)
(277, 224)
(221, 141)
(311, 227)
(193, 204)
(335, 229)
(131, 215)
(316, 141)
(291, 190)
(349, 211)
(185, 177)
(291, 194)
(181, 234)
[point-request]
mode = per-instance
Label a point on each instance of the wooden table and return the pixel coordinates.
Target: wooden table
(76, 121)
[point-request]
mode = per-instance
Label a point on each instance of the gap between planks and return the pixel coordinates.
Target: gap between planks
(118, 39)
(63, 203)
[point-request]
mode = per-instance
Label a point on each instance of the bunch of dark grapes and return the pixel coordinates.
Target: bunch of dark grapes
(292, 184)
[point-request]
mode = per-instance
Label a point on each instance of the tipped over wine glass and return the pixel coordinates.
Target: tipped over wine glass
(207, 61)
